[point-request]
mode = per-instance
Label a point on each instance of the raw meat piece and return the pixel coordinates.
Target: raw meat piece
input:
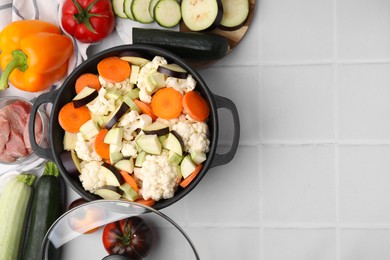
(13, 122)
(4, 132)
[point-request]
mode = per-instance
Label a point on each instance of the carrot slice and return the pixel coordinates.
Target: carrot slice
(148, 202)
(196, 106)
(145, 108)
(184, 183)
(129, 180)
(101, 148)
(71, 118)
(167, 103)
(87, 80)
(114, 69)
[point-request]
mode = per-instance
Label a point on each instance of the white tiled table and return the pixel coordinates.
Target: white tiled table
(311, 178)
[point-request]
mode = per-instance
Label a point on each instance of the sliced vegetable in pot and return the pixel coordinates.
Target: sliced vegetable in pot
(72, 118)
(114, 69)
(167, 103)
(85, 96)
(196, 106)
(141, 139)
(71, 162)
(87, 80)
(173, 70)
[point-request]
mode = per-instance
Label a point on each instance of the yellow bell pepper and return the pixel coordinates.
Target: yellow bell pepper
(34, 55)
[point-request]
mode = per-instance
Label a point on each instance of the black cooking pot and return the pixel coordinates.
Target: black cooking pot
(67, 92)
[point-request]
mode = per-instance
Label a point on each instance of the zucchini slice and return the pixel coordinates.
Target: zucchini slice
(140, 10)
(117, 7)
(235, 13)
(167, 13)
(127, 9)
(200, 15)
(152, 4)
(188, 45)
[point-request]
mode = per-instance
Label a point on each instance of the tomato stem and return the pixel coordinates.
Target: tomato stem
(19, 61)
(84, 15)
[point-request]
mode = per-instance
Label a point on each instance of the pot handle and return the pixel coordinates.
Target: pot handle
(221, 159)
(38, 150)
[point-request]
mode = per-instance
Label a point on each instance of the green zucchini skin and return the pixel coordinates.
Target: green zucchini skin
(14, 205)
(47, 205)
(187, 45)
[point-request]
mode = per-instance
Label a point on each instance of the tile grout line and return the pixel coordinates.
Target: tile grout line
(322, 62)
(336, 133)
(261, 177)
(321, 142)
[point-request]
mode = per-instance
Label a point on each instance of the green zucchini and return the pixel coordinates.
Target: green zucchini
(187, 45)
(14, 205)
(47, 206)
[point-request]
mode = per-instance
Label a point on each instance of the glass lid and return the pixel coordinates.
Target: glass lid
(116, 230)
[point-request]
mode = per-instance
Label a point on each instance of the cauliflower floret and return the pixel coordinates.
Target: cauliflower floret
(102, 106)
(159, 177)
(143, 81)
(195, 135)
(123, 86)
(168, 122)
(132, 121)
(181, 85)
(128, 149)
(84, 149)
(91, 176)
(129, 118)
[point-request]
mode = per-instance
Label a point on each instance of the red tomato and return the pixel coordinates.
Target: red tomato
(88, 20)
(131, 237)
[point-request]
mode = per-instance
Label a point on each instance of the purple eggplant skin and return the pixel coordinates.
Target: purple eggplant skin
(162, 131)
(172, 73)
(176, 134)
(85, 100)
(218, 18)
(69, 164)
(118, 114)
(115, 171)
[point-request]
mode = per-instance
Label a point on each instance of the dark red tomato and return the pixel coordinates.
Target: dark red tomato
(131, 237)
(88, 20)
